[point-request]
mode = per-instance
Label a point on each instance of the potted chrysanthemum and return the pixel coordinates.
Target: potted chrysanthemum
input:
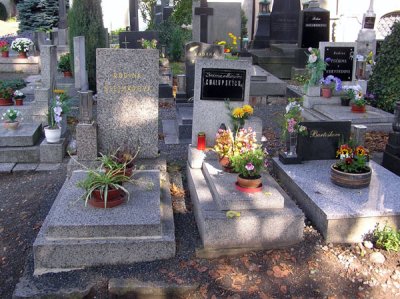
(21, 45)
(355, 93)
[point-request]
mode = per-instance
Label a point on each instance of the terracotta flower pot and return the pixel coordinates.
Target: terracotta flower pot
(5, 54)
(22, 55)
(326, 92)
(350, 180)
(67, 74)
(127, 171)
(19, 102)
(358, 109)
(11, 125)
(6, 102)
(226, 164)
(249, 182)
(115, 197)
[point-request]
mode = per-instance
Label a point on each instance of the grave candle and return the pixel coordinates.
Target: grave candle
(201, 141)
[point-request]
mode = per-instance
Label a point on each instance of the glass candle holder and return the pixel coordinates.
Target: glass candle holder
(201, 141)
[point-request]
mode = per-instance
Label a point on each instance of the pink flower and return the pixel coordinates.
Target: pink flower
(249, 166)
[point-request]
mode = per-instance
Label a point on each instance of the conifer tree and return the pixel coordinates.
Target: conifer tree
(37, 15)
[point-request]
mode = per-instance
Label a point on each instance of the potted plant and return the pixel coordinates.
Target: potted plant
(10, 119)
(351, 170)
(4, 48)
(122, 160)
(53, 131)
(354, 92)
(64, 65)
(316, 67)
(19, 97)
(249, 165)
(104, 189)
(328, 84)
(21, 45)
(6, 93)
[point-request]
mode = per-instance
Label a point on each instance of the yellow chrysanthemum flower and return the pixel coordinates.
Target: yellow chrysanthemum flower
(59, 91)
(248, 109)
(238, 112)
(234, 42)
(222, 43)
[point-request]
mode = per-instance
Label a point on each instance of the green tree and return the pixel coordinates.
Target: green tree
(182, 13)
(385, 79)
(146, 8)
(85, 18)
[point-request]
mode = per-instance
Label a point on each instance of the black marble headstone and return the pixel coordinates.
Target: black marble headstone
(314, 27)
(340, 63)
(131, 39)
(222, 84)
(285, 21)
(133, 15)
(193, 51)
(323, 139)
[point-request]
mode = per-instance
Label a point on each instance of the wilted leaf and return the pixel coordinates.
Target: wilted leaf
(176, 191)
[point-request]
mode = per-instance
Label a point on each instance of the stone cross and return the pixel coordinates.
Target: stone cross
(204, 11)
(62, 14)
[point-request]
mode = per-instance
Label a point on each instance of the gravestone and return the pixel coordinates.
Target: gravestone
(81, 79)
(208, 114)
(323, 139)
(285, 21)
(194, 51)
(314, 26)
(342, 62)
(127, 100)
(131, 40)
(133, 15)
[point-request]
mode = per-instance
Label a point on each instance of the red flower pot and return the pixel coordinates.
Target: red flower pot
(22, 55)
(6, 102)
(67, 74)
(19, 102)
(115, 198)
(4, 54)
(358, 109)
(326, 92)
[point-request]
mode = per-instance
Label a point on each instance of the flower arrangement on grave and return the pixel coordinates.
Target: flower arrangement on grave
(316, 67)
(10, 118)
(238, 115)
(351, 170)
(64, 65)
(231, 45)
(18, 97)
(121, 159)
(329, 84)
(4, 48)
(355, 93)
(148, 44)
(53, 130)
(21, 44)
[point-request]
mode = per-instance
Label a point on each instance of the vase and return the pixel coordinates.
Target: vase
(19, 102)
(350, 180)
(345, 101)
(115, 197)
(52, 135)
(11, 125)
(326, 92)
(6, 102)
(292, 145)
(358, 109)
(22, 55)
(5, 54)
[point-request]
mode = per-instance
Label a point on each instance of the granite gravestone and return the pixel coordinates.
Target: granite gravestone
(127, 100)
(193, 51)
(285, 21)
(209, 114)
(323, 139)
(313, 27)
(340, 58)
(131, 40)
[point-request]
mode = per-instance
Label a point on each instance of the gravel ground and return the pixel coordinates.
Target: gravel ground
(311, 269)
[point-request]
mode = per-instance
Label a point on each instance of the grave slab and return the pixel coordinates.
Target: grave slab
(342, 215)
(141, 229)
(6, 167)
(222, 186)
(27, 134)
(20, 154)
(23, 167)
(254, 229)
(48, 166)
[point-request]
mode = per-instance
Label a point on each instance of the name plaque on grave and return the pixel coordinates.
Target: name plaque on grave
(315, 28)
(222, 84)
(323, 139)
(369, 22)
(340, 62)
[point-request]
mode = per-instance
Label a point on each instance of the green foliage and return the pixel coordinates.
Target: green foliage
(85, 18)
(302, 79)
(3, 12)
(387, 238)
(177, 68)
(146, 8)
(64, 65)
(385, 79)
(316, 66)
(14, 84)
(148, 44)
(37, 14)
(249, 164)
(182, 13)
(243, 23)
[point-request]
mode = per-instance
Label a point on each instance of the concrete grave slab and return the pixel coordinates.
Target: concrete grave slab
(6, 167)
(23, 167)
(27, 134)
(342, 215)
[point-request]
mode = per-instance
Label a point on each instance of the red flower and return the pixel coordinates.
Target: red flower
(349, 161)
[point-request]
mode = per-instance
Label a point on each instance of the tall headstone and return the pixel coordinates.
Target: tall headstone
(366, 40)
(127, 100)
(62, 14)
(194, 51)
(391, 156)
(262, 37)
(314, 26)
(215, 82)
(133, 15)
(48, 60)
(285, 21)
(81, 78)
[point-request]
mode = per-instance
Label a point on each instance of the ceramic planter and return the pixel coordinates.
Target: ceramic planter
(326, 92)
(19, 102)
(249, 182)
(52, 135)
(350, 180)
(22, 55)
(67, 74)
(6, 102)
(358, 109)
(115, 197)
(11, 125)
(5, 54)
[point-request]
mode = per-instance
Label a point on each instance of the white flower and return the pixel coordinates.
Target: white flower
(312, 58)
(310, 49)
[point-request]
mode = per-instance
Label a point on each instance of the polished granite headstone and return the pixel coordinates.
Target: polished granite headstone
(285, 21)
(127, 100)
(314, 27)
(342, 215)
(323, 139)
